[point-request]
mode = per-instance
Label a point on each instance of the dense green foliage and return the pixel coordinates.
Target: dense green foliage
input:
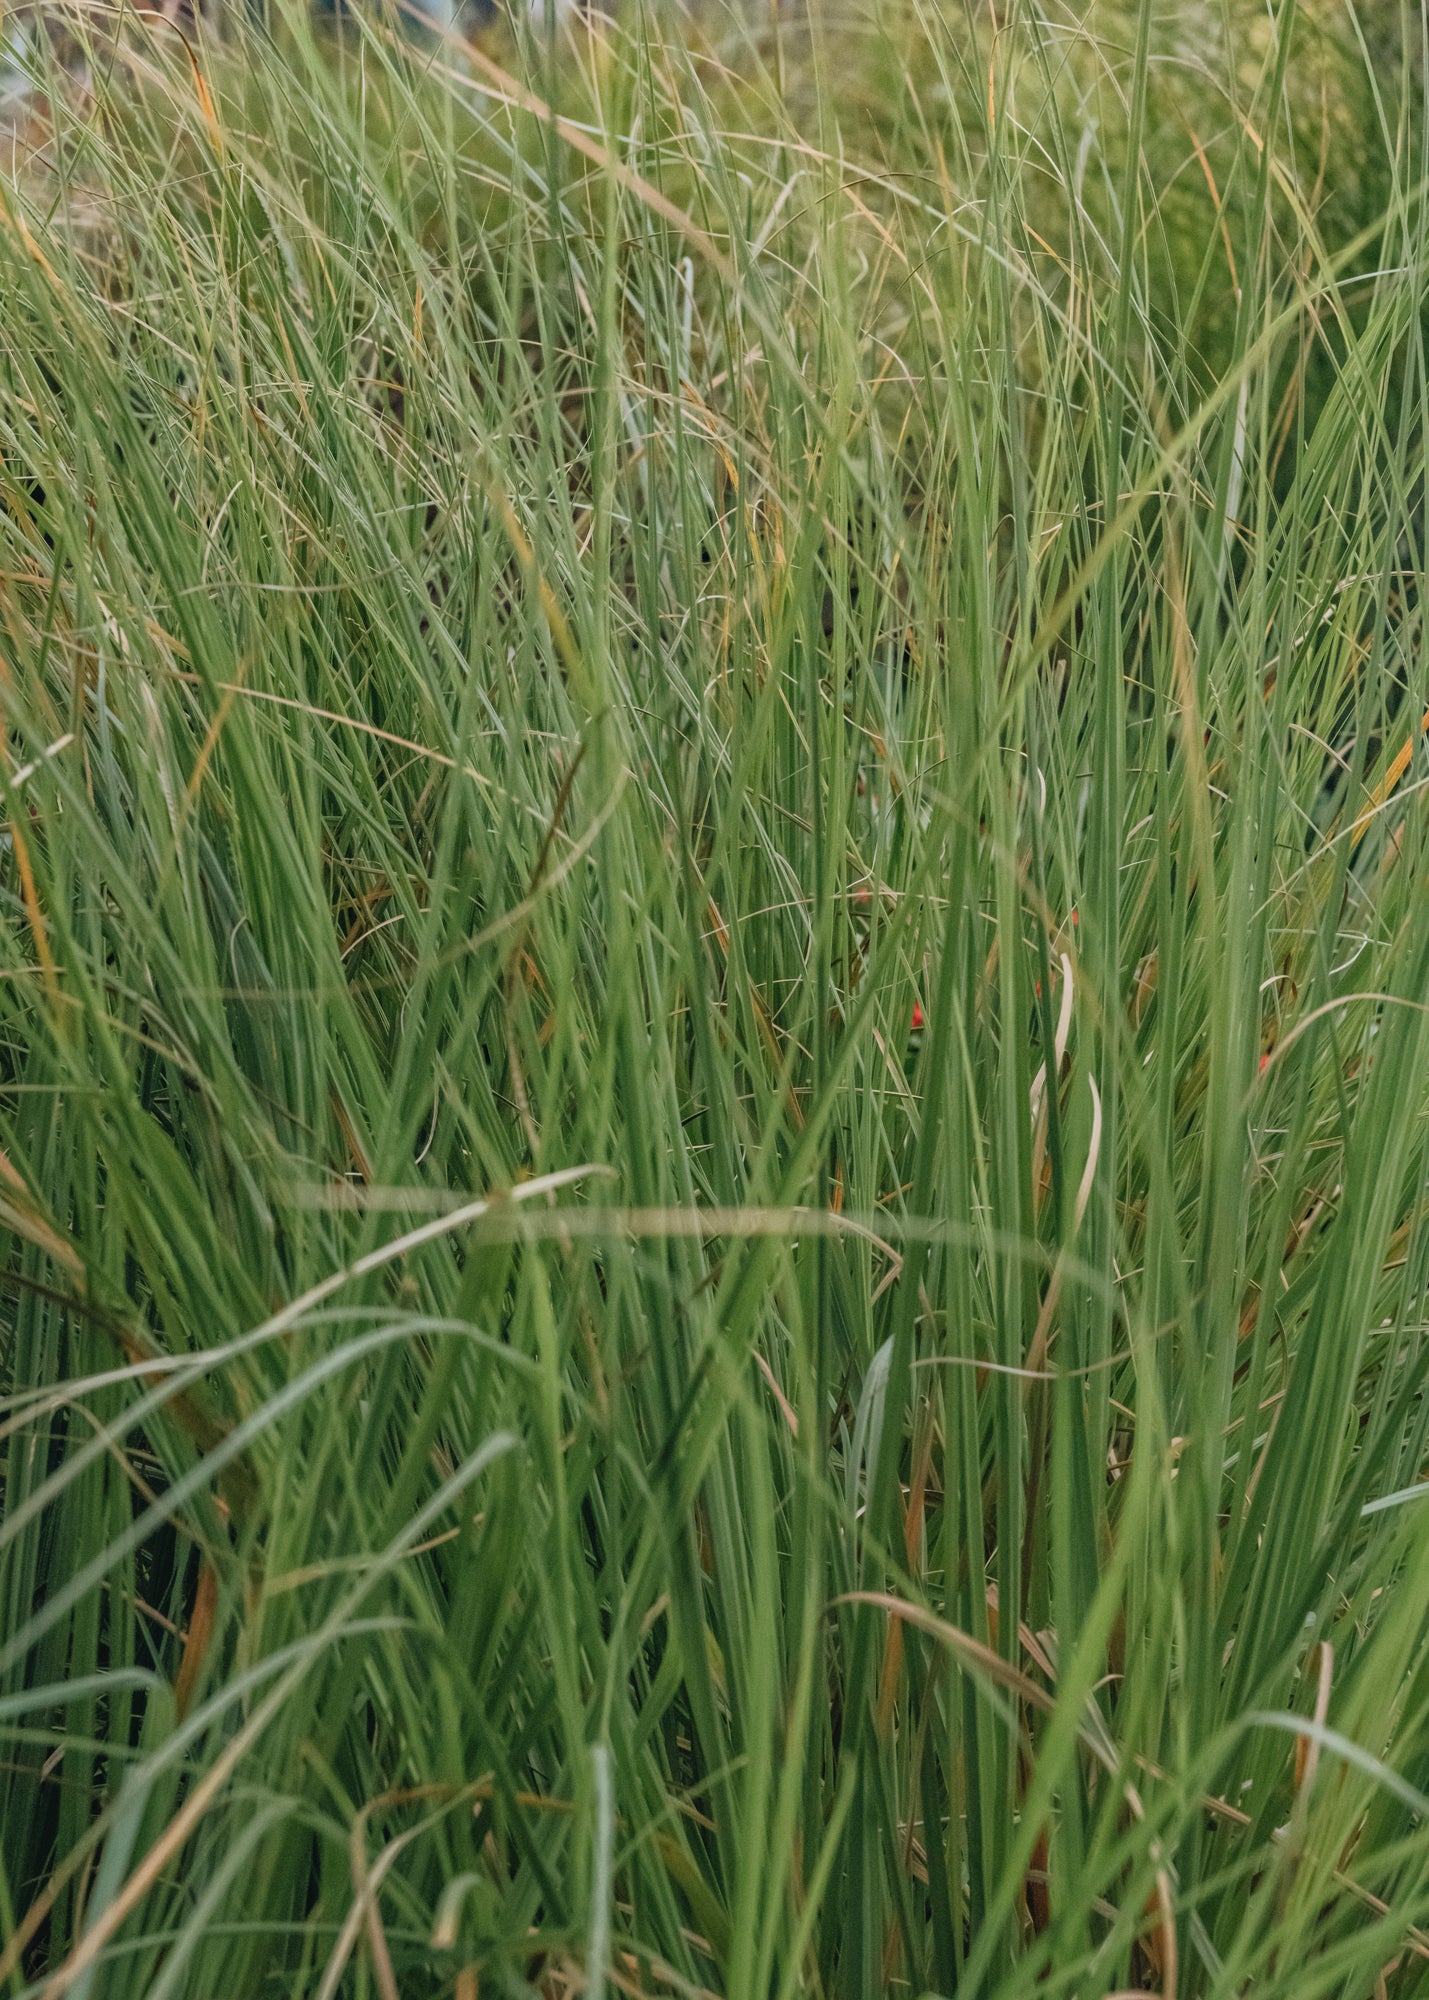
(714, 1012)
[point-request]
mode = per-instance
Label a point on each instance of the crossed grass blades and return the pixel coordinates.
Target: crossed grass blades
(714, 1010)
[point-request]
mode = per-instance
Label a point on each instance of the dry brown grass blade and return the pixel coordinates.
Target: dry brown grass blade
(1307, 1748)
(971, 1650)
(196, 1639)
(518, 97)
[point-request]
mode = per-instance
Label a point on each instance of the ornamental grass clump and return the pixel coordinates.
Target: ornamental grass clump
(714, 1010)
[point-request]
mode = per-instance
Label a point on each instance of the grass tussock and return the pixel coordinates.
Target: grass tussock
(714, 1010)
